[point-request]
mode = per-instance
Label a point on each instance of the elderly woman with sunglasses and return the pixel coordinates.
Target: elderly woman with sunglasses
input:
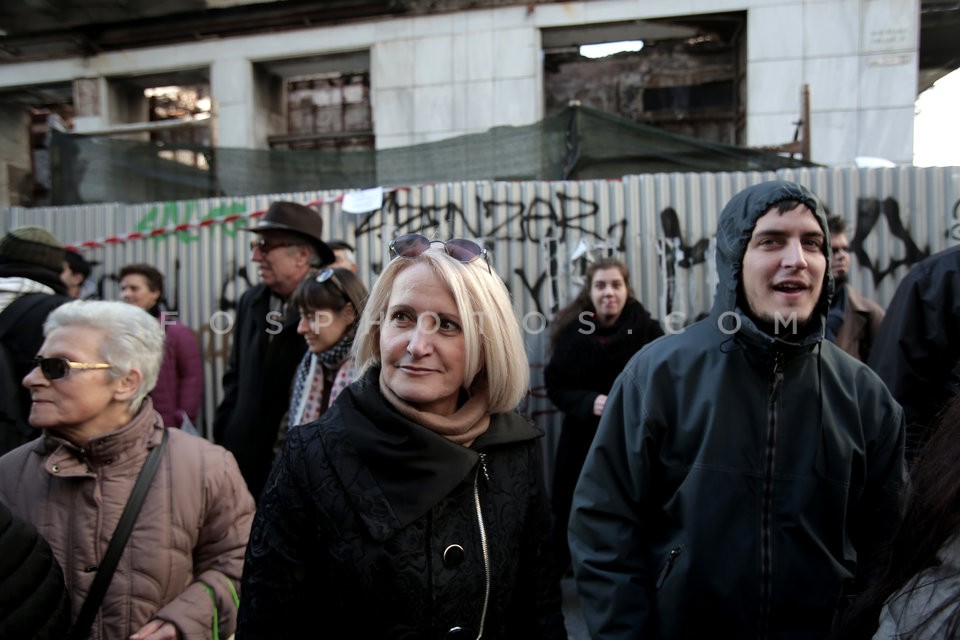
(177, 575)
(417, 508)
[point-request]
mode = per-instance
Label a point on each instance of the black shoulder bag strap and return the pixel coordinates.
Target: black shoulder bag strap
(81, 627)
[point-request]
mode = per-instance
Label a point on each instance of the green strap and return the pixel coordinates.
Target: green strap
(213, 597)
(216, 615)
(233, 592)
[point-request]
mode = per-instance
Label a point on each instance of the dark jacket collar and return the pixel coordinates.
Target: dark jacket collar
(260, 304)
(414, 468)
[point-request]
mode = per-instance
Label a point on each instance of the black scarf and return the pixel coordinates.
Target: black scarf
(43, 275)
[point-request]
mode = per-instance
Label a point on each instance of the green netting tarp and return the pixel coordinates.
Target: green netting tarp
(577, 144)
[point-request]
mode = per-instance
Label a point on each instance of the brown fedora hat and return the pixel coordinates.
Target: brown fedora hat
(299, 219)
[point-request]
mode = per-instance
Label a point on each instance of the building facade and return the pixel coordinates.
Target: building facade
(425, 75)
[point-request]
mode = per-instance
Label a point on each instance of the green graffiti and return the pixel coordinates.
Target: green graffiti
(167, 216)
(148, 222)
(223, 210)
(170, 215)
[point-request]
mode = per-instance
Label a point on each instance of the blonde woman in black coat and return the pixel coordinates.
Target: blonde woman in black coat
(415, 507)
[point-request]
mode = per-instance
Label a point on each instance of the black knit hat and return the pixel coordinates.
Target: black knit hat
(33, 245)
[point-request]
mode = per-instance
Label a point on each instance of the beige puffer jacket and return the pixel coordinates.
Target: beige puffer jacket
(184, 557)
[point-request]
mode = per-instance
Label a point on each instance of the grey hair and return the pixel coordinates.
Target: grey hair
(296, 240)
(132, 338)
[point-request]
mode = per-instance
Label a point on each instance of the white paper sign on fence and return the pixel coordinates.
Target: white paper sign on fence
(363, 201)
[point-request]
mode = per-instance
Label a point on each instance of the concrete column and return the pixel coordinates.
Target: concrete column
(15, 163)
(89, 100)
(232, 90)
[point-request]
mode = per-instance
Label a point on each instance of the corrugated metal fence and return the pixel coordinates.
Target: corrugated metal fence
(540, 235)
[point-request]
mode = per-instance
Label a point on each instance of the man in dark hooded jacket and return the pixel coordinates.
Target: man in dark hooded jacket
(745, 471)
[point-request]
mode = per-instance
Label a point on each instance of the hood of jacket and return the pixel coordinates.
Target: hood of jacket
(736, 224)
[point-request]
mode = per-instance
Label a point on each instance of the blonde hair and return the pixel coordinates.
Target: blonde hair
(491, 330)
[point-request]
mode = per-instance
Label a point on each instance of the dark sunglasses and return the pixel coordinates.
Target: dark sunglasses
(57, 368)
(412, 245)
(266, 246)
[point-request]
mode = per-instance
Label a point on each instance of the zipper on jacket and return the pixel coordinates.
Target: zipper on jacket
(766, 532)
(483, 539)
(668, 567)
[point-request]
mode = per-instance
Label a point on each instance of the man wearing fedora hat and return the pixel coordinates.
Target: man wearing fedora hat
(266, 348)
(30, 263)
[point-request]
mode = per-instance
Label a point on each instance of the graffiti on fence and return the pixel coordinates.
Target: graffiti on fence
(510, 220)
(555, 222)
(675, 253)
(869, 212)
(542, 237)
(171, 215)
(953, 232)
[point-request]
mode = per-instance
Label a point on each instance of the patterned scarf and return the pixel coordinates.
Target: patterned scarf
(332, 357)
(306, 402)
(463, 426)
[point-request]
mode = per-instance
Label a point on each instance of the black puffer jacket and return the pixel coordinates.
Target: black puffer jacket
(33, 600)
(368, 527)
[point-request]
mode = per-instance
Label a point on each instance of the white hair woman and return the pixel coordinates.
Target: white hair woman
(421, 492)
(177, 574)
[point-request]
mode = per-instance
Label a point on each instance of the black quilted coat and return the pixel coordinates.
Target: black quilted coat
(368, 527)
(33, 600)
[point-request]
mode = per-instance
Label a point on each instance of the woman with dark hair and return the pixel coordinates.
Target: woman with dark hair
(179, 391)
(593, 337)
(330, 302)
(917, 595)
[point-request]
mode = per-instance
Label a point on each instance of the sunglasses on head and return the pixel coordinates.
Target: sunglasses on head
(329, 274)
(57, 368)
(412, 245)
